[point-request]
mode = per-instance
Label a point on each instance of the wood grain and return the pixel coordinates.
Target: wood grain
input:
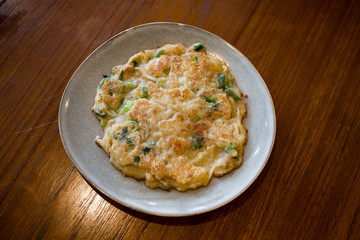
(308, 53)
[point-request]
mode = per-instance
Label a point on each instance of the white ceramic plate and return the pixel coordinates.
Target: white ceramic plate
(79, 127)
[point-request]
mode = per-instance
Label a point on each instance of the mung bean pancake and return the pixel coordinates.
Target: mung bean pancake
(172, 116)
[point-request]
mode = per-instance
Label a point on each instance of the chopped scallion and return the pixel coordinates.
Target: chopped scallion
(230, 147)
(229, 81)
(103, 122)
(124, 133)
(198, 46)
(129, 142)
(210, 99)
(197, 142)
(136, 159)
(134, 63)
(158, 52)
(134, 124)
(123, 136)
(197, 118)
(102, 82)
(147, 149)
(100, 113)
(129, 86)
(231, 150)
(111, 112)
(224, 81)
(144, 92)
(121, 76)
(232, 94)
(221, 81)
(214, 106)
(126, 107)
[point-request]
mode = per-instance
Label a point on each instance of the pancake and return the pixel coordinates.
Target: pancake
(172, 116)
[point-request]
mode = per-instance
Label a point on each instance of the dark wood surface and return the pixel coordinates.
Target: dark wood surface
(308, 53)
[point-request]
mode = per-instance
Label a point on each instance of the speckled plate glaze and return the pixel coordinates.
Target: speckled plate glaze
(79, 127)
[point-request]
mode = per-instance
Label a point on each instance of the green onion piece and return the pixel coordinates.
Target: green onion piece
(215, 105)
(100, 113)
(198, 46)
(134, 123)
(103, 122)
(195, 59)
(124, 132)
(224, 81)
(144, 92)
(197, 142)
(136, 159)
(102, 82)
(129, 142)
(232, 94)
(197, 118)
(122, 135)
(126, 107)
(111, 112)
(121, 76)
(221, 81)
(210, 99)
(158, 52)
(134, 63)
(229, 81)
(129, 86)
(230, 147)
(231, 150)
(147, 149)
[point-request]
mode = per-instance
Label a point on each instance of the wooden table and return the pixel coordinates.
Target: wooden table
(308, 53)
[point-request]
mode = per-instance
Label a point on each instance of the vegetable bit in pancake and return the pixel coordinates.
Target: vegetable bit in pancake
(172, 116)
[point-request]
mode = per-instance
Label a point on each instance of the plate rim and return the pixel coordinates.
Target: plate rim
(97, 188)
